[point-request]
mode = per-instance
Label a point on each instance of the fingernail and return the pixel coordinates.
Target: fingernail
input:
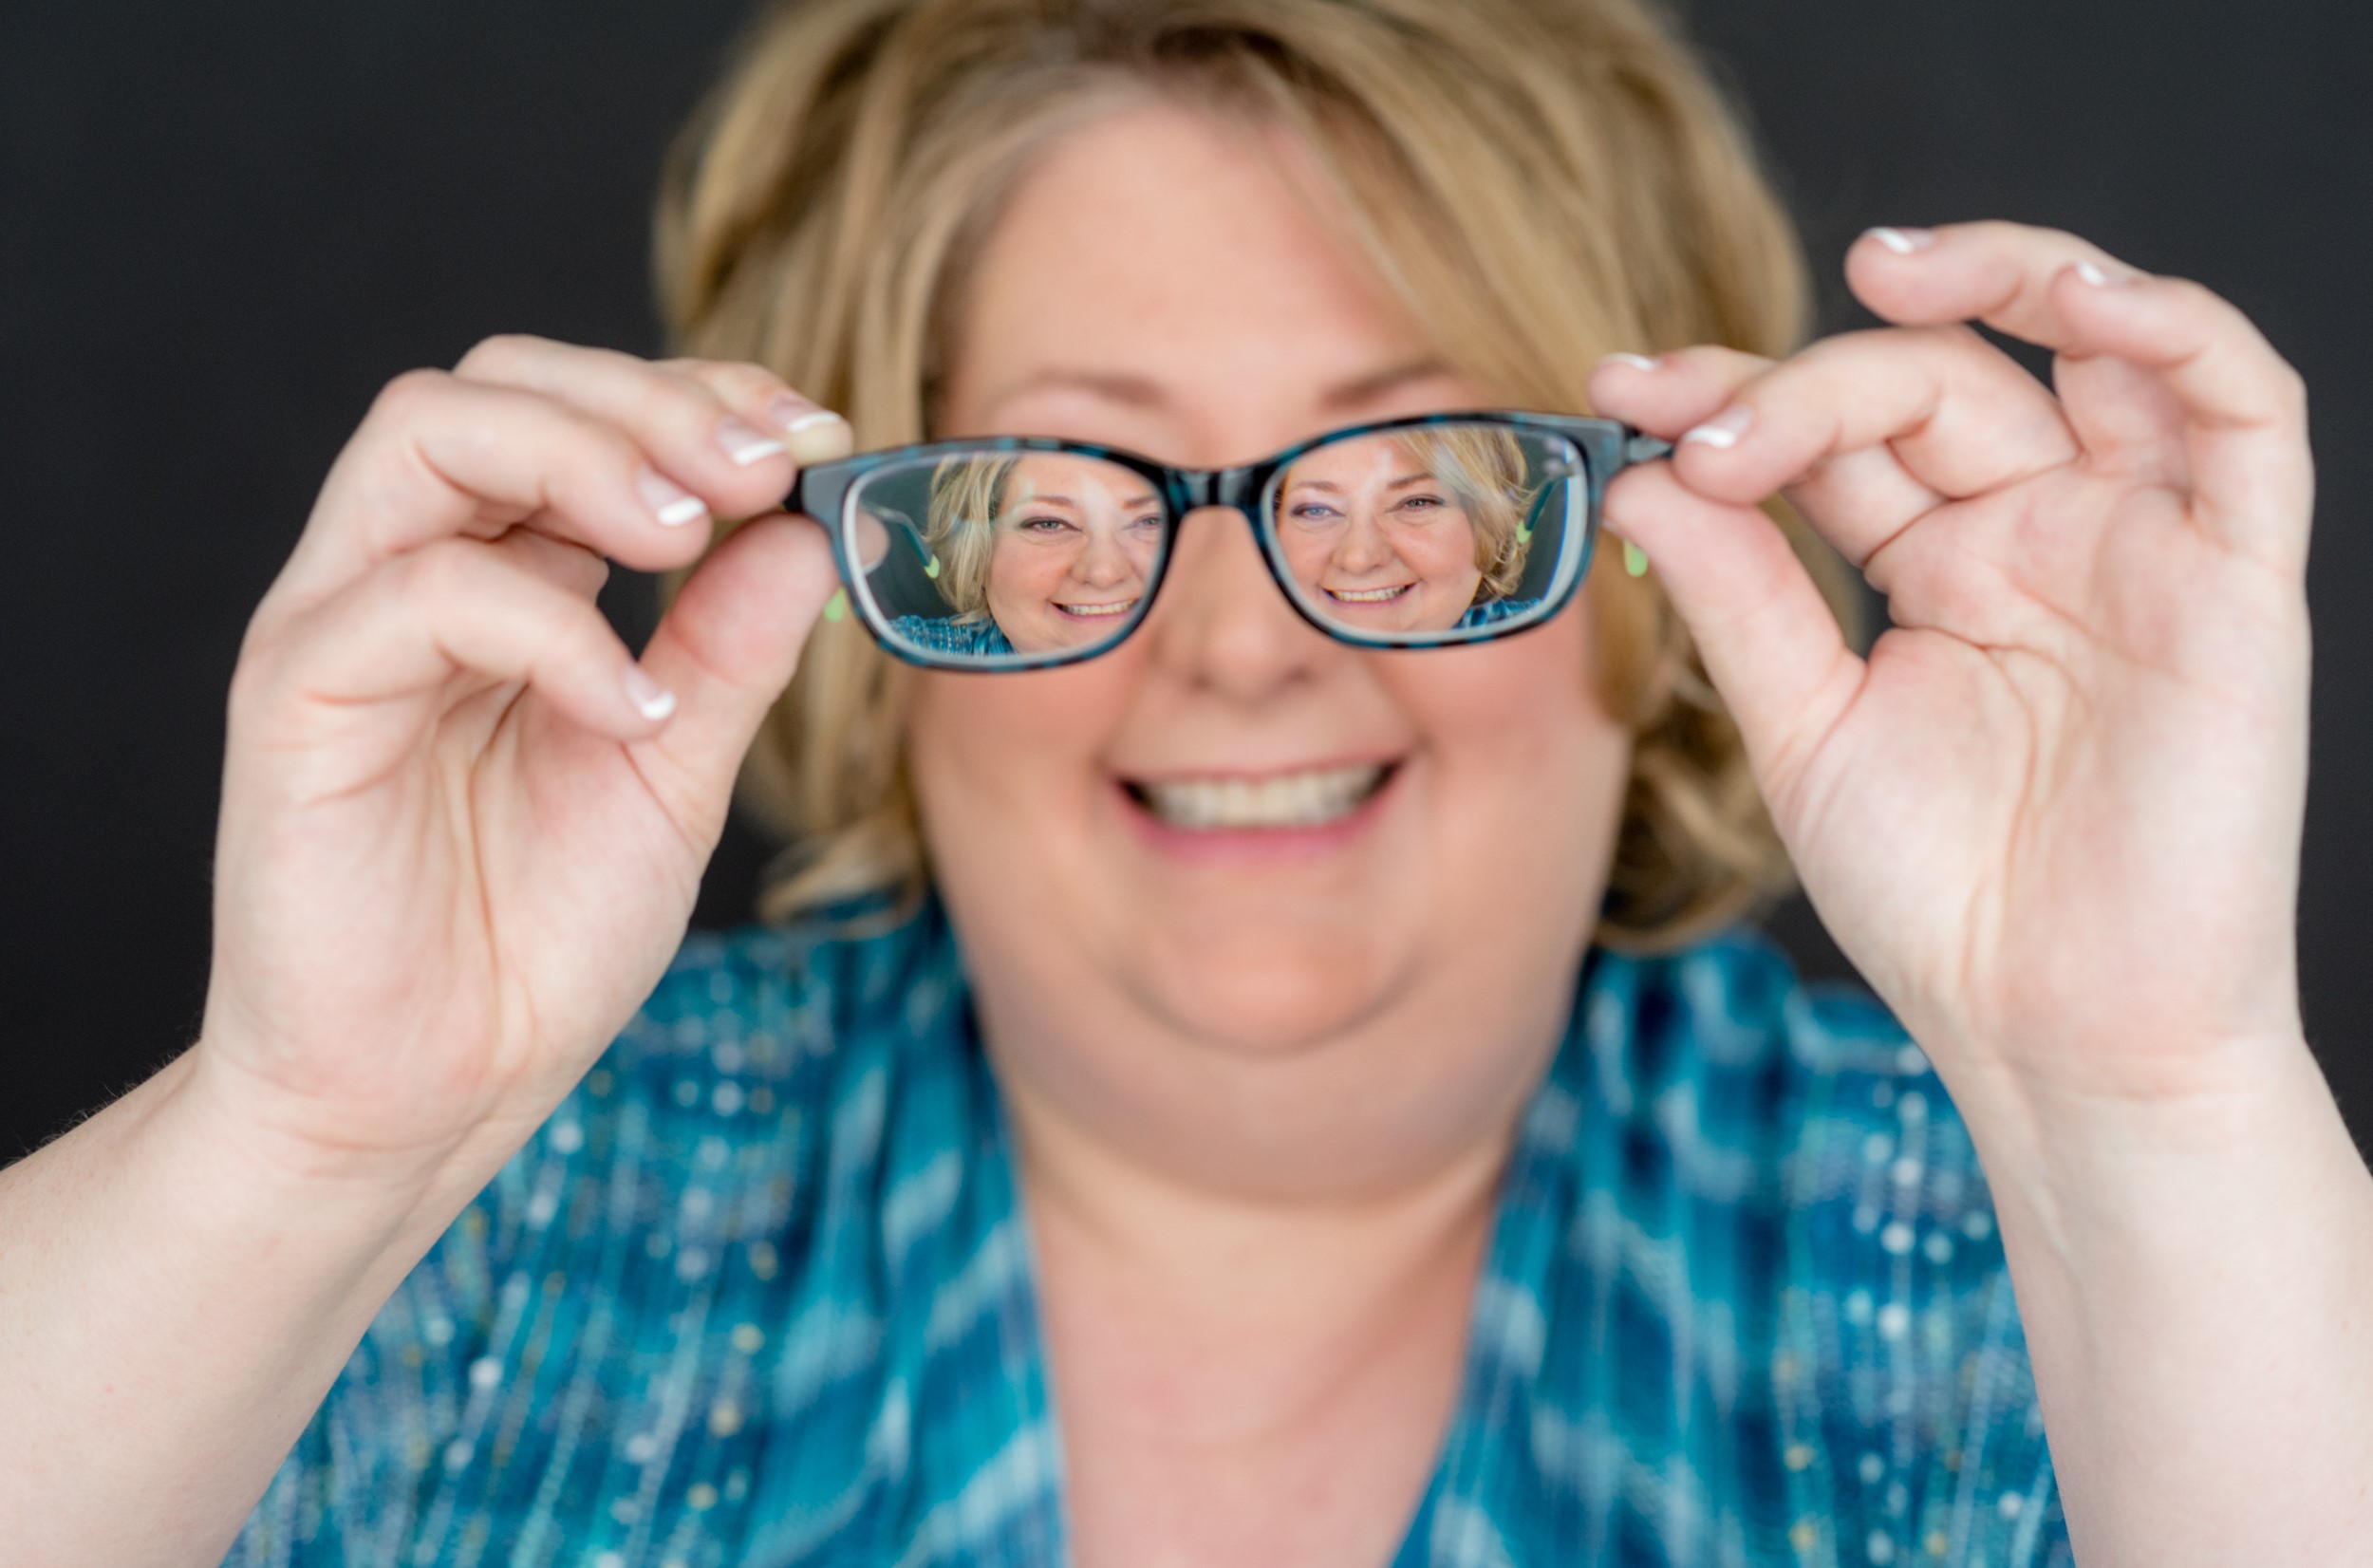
(1904, 241)
(1637, 361)
(816, 434)
(790, 413)
(1635, 560)
(673, 505)
(2100, 277)
(745, 445)
(1723, 431)
(651, 700)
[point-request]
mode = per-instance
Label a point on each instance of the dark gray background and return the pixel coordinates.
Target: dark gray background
(223, 227)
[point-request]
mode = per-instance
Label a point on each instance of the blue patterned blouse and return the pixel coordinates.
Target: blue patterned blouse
(759, 1294)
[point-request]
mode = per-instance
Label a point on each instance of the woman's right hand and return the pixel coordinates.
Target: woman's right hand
(462, 827)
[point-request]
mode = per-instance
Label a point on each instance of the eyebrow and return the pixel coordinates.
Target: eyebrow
(1135, 391)
(1368, 388)
(1113, 387)
(1144, 497)
(1401, 483)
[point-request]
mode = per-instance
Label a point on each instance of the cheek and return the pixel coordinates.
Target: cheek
(1531, 769)
(1436, 548)
(1004, 766)
(1302, 547)
(1016, 567)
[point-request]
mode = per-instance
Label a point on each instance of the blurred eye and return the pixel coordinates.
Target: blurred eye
(1042, 524)
(1152, 519)
(1312, 512)
(1422, 503)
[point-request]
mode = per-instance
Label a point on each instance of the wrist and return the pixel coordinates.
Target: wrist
(261, 1153)
(2090, 1166)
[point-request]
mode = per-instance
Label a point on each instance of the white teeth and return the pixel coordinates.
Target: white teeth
(1287, 800)
(1123, 608)
(1367, 596)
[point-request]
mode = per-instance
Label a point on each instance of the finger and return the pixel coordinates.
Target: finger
(2243, 409)
(727, 648)
(1957, 416)
(2242, 444)
(1767, 638)
(736, 458)
(438, 456)
(1999, 274)
(1668, 394)
(814, 433)
(568, 566)
(1863, 497)
(1861, 501)
(455, 608)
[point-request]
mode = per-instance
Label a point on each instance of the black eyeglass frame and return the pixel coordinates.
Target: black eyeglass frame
(826, 491)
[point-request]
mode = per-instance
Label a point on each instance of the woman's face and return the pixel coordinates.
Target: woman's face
(1376, 539)
(1262, 908)
(1075, 539)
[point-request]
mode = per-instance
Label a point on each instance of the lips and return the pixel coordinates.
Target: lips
(1312, 798)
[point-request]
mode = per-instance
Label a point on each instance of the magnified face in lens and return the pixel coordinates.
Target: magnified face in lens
(1414, 531)
(1051, 550)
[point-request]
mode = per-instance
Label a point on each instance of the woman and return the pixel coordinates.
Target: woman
(1356, 1225)
(1419, 532)
(1031, 554)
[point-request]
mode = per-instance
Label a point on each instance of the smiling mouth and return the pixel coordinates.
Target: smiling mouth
(1310, 799)
(1368, 596)
(1095, 613)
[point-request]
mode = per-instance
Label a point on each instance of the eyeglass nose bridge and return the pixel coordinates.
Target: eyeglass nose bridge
(1227, 487)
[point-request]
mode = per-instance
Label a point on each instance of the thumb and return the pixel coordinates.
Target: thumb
(1769, 642)
(726, 650)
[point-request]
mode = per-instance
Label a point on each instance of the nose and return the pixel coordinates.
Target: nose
(1222, 623)
(1104, 564)
(1364, 547)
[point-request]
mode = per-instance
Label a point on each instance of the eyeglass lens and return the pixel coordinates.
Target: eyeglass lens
(1418, 536)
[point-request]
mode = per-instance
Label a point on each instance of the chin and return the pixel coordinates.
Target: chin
(1271, 988)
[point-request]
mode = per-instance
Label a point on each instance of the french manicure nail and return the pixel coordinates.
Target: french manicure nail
(745, 445)
(2100, 277)
(673, 505)
(816, 435)
(1904, 241)
(819, 436)
(789, 412)
(1637, 361)
(1723, 431)
(651, 700)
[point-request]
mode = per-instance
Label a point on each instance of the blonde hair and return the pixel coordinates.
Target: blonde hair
(962, 530)
(1485, 470)
(1571, 151)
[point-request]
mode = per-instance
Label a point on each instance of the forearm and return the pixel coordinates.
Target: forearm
(2196, 1287)
(173, 1304)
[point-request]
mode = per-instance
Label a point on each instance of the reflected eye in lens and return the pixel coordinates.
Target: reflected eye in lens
(1004, 559)
(1438, 532)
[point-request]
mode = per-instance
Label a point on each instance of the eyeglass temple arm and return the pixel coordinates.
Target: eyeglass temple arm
(1638, 448)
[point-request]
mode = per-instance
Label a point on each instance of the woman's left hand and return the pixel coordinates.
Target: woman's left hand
(2054, 817)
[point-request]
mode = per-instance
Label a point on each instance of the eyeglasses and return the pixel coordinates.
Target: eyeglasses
(1022, 552)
